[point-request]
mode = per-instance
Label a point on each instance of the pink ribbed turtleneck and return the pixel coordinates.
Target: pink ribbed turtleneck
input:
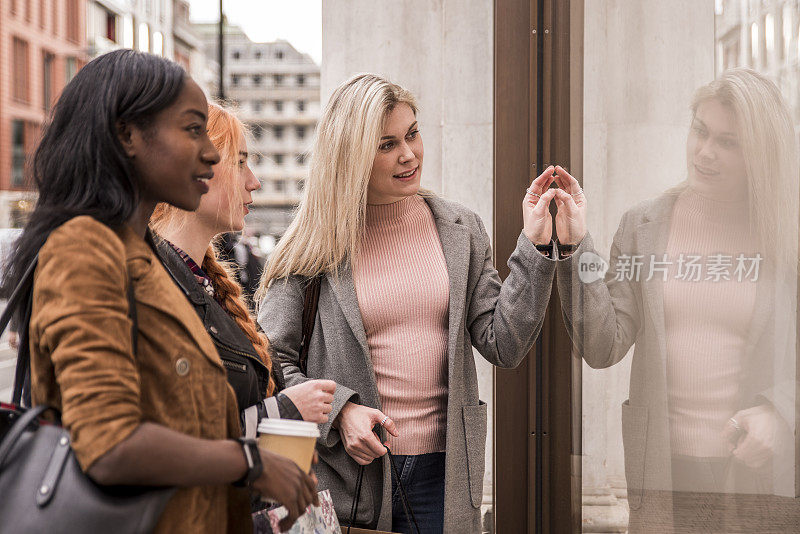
(403, 292)
(706, 323)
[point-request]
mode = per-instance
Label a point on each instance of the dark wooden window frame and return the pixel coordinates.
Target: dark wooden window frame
(538, 92)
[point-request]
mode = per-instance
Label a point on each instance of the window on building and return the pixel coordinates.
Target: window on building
(70, 69)
(258, 131)
(158, 43)
(48, 61)
(278, 159)
(257, 80)
(300, 184)
(111, 26)
(279, 54)
(257, 54)
(127, 31)
(17, 153)
(236, 54)
(21, 70)
(301, 80)
(257, 105)
(301, 132)
(300, 159)
(277, 79)
(256, 159)
(234, 80)
(73, 20)
(279, 186)
(769, 37)
(144, 37)
(279, 105)
(278, 131)
(787, 22)
(301, 105)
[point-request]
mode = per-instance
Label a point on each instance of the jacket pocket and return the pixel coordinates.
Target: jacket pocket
(475, 420)
(634, 441)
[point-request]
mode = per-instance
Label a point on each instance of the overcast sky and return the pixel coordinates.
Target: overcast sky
(297, 21)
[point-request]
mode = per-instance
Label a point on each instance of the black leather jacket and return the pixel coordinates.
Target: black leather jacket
(247, 374)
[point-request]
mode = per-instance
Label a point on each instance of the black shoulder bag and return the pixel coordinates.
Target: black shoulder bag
(310, 305)
(42, 485)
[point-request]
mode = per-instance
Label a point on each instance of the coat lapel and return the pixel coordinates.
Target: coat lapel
(345, 291)
(651, 243)
(456, 246)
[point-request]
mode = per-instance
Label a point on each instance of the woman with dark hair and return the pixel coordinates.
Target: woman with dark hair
(128, 132)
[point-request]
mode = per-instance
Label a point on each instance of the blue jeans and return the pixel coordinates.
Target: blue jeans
(423, 480)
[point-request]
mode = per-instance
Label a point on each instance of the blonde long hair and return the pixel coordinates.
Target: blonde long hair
(769, 145)
(225, 130)
(326, 230)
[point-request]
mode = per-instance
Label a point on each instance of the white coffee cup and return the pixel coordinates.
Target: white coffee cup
(290, 438)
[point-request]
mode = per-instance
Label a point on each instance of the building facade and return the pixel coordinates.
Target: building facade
(42, 46)
(158, 26)
(276, 89)
(762, 35)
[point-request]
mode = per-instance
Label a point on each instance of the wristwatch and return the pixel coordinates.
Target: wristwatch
(254, 465)
(546, 250)
(564, 250)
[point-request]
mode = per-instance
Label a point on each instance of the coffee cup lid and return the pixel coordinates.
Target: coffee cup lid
(288, 427)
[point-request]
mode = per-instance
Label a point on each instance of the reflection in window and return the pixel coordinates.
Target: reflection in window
(769, 37)
(787, 31)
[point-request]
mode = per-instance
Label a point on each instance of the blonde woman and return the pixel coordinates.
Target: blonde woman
(407, 289)
(711, 312)
(188, 252)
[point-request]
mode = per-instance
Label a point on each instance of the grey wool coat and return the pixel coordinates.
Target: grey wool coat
(605, 317)
(502, 320)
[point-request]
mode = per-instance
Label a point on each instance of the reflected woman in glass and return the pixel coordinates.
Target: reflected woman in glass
(702, 280)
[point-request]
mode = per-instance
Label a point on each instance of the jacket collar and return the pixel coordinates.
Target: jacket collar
(144, 250)
(182, 276)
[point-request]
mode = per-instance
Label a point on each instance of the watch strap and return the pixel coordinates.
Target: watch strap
(253, 459)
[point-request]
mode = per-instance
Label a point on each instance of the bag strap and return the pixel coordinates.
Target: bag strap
(404, 497)
(22, 294)
(310, 305)
(17, 429)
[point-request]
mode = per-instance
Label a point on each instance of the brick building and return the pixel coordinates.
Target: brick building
(42, 46)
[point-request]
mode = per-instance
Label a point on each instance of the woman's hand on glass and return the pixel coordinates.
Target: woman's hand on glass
(284, 482)
(571, 208)
(537, 221)
(313, 399)
(355, 424)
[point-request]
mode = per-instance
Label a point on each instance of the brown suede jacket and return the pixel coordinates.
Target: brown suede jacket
(82, 360)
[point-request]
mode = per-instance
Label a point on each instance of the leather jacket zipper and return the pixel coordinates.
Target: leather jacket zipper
(236, 366)
(239, 353)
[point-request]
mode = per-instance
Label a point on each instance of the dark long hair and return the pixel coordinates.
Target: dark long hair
(80, 167)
